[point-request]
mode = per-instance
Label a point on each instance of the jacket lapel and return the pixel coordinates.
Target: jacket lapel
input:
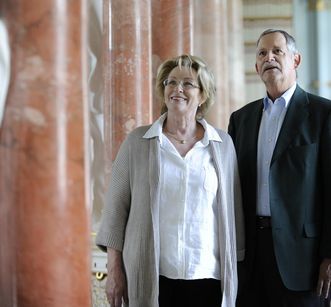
(253, 121)
(256, 120)
(296, 114)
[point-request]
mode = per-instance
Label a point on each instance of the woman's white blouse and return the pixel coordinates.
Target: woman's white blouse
(188, 225)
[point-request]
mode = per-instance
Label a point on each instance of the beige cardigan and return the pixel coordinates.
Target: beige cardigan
(131, 214)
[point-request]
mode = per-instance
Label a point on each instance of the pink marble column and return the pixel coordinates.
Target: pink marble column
(107, 86)
(172, 28)
(44, 201)
(236, 57)
(211, 43)
(172, 34)
(130, 68)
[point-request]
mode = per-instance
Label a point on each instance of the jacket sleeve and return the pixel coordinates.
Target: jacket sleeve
(238, 209)
(231, 127)
(326, 179)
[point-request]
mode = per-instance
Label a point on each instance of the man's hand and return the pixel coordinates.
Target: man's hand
(324, 279)
(116, 285)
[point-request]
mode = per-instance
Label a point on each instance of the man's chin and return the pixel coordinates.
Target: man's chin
(269, 77)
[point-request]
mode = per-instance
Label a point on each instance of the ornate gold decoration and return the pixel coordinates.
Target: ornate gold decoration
(99, 275)
(316, 84)
(319, 5)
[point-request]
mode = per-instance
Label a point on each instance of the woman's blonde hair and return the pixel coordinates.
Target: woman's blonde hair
(205, 78)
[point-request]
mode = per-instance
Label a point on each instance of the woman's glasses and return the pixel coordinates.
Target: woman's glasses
(185, 84)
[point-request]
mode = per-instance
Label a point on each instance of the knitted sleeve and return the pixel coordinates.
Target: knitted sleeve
(117, 202)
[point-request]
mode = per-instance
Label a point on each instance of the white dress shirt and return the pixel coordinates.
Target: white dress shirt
(271, 123)
(188, 225)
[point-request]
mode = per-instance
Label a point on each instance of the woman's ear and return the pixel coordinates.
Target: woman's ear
(203, 99)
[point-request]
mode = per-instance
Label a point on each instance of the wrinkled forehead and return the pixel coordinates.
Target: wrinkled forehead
(272, 40)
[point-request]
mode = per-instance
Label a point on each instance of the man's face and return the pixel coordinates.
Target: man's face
(275, 64)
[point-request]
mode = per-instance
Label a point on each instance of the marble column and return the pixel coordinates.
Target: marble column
(171, 35)
(211, 43)
(44, 210)
(311, 26)
(219, 41)
(130, 68)
(235, 54)
(319, 25)
(172, 28)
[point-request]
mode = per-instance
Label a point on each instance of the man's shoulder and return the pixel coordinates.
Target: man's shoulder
(312, 99)
(249, 107)
(319, 99)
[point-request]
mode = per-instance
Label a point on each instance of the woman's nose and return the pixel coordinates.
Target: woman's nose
(179, 87)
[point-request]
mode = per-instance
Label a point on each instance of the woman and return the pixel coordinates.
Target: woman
(174, 205)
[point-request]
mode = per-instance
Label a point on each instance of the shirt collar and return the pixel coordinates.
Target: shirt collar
(156, 130)
(210, 133)
(286, 97)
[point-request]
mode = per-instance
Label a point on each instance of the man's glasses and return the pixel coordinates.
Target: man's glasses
(185, 85)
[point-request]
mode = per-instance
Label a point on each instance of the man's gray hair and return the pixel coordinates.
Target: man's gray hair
(290, 41)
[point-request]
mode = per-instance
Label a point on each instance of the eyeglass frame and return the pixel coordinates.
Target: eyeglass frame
(181, 83)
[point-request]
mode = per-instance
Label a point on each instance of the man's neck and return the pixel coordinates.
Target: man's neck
(275, 91)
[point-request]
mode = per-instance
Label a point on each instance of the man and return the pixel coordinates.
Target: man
(283, 144)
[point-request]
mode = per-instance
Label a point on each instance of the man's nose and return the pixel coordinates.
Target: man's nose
(270, 56)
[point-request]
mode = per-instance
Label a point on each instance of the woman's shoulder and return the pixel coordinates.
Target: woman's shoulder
(226, 144)
(139, 131)
(133, 140)
(137, 137)
(222, 134)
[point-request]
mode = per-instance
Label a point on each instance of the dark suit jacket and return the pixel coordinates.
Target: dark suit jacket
(300, 185)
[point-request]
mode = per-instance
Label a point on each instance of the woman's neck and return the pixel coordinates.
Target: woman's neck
(181, 126)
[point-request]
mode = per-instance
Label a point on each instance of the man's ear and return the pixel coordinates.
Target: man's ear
(297, 60)
(257, 70)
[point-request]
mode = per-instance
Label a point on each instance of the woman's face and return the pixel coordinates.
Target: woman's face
(182, 93)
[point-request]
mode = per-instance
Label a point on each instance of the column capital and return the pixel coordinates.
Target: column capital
(319, 5)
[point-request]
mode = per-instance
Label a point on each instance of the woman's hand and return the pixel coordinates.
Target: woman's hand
(116, 285)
